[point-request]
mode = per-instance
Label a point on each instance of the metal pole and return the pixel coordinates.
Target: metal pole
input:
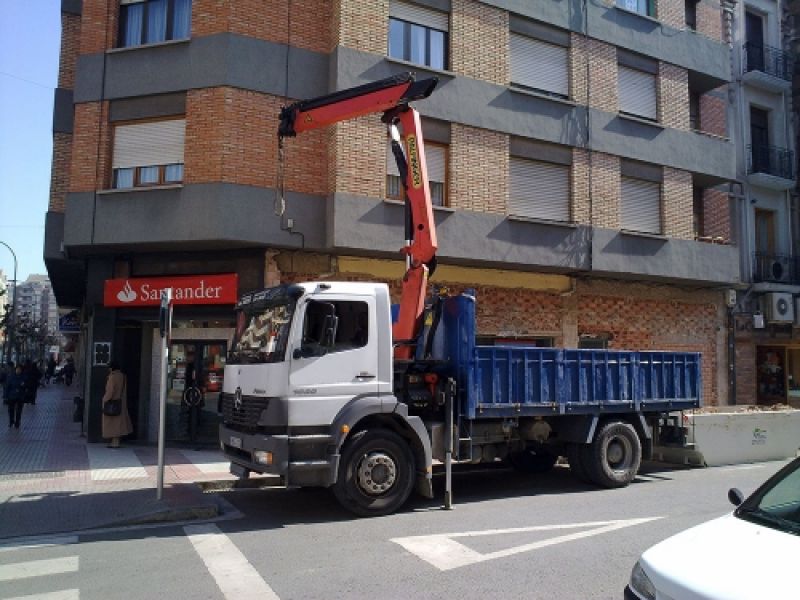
(165, 322)
(10, 341)
(448, 456)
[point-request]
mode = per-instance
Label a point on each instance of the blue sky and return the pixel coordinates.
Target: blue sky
(30, 39)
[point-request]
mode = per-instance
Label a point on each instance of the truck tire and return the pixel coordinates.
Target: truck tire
(376, 473)
(574, 456)
(612, 459)
(530, 461)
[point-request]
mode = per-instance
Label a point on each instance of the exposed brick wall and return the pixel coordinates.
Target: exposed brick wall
(713, 117)
(98, 25)
(358, 157)
(579, 187)
(230, 137)
(478, 169)
(677, 204)
(308, 26)
(59, 174)
(709, 19)
(606, 189)
(746, 392)
(577, 68)
(479, 41)
(70, 44)
(363, 25)
(671, 12)
(593, 70)
(91, 148)
(673, 96)
(716, 215)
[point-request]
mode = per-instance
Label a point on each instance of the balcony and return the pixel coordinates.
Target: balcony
(775, 268)
(770, 167)
(766, 67)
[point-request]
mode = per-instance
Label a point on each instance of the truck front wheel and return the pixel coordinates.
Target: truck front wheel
(376, 473)
(613, 458)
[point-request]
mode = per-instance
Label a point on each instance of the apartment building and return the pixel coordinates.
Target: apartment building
(767, 341)
(578, 151)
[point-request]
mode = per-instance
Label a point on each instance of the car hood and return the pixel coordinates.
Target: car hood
(726, 558)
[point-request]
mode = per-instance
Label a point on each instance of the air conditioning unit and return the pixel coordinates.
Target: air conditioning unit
(779, 307)
(780, 269)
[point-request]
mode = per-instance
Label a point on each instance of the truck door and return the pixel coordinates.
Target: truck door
(334, 357)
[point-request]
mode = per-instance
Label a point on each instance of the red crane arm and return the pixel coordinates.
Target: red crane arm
(391, 97)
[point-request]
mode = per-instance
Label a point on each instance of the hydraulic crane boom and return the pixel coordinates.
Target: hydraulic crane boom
(391, 97)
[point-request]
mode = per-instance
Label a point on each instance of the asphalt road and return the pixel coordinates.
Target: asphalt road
(509, 536)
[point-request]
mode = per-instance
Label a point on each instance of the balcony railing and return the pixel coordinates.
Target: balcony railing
(771, 160)
(773, 61)
(775, 268)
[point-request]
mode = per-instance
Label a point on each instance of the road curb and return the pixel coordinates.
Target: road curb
(167, 515)
(227, 485)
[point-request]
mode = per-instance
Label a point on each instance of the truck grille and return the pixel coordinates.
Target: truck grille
(247, 415)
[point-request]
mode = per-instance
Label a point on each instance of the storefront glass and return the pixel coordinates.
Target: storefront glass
(194, 381)
(771, 374)
(793, 375)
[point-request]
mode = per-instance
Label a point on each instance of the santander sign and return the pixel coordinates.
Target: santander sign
(195, 289)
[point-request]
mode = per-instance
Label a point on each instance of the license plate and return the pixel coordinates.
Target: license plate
(236, 442)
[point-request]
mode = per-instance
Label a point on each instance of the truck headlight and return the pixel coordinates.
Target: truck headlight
(263, 457)
(641, 584)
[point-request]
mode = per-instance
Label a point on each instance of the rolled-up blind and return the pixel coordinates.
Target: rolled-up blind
(539, 65)
(152, 143)
(640, 205)
(637, 92)
(538, 190)
(420, 15)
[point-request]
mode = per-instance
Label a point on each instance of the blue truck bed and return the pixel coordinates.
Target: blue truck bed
(512, 381)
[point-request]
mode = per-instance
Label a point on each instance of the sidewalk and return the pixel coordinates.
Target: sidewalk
(52, 481)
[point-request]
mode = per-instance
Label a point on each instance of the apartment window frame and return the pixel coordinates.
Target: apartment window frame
(645, 8)
(126, 9)
(636, 76)
(408, 16)
(644, 177)
(690, 14)
(136, 173)
(531, 155)
(394, 185)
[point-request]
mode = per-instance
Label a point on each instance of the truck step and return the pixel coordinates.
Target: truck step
(309, 464)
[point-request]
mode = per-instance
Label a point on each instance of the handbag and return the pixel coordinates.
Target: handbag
(113, 407)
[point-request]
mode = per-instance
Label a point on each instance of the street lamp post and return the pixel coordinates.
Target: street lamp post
(10, 341)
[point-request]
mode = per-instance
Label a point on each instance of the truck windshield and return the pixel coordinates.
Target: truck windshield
(263, 320)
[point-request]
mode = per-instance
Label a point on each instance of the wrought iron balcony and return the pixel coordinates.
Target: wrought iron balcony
(770, 160)
(775, 268)
(773, 61)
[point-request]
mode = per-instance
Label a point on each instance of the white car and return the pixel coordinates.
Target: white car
(750, 554)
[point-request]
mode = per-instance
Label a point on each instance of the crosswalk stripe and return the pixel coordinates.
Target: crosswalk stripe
(107, 464)
(40, 543)
(236, 578)
(38, 568)
(62, 595)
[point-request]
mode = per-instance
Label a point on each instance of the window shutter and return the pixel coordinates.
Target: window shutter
(637, 92)
(419, 15)
(435, 158)
(131, 1)
(538, 190)
(539, 65)
(391, 163)
(153, 143)
(641, 205)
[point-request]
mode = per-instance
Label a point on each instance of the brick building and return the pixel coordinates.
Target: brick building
(578, 154)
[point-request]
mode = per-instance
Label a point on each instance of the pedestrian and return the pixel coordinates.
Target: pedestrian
(117, 425)
(32, 376)
(50, 370)
(14, 396)
(69, 372)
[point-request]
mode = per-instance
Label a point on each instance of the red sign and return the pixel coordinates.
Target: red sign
(195, 289)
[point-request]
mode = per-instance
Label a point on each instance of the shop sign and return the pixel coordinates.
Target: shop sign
(195, 289)
(70, 322)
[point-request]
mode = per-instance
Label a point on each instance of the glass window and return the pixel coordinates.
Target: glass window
(335, 326)
(153, 21)
(123, 178)
(148, 153)
(643, 7)
(417, 43)
(436, 161)
(148, 175)
(173, 173)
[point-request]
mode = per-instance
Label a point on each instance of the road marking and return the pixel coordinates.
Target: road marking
(444, 553)
(40, 543)
(235, 576)
(108, 464)
(62, 595)
(38, 568)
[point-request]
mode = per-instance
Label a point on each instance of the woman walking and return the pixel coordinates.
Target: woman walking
(116, 421)
(14, 396)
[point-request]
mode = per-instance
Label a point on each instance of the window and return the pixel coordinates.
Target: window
(335, 326)
(539, 65)
(694, 110)
(640, 205)
(637, 93)
(152, 21)
(147, 154)
(539, 189)
(698, 212)
(594, 341)
(418, 34)
(643, 7)
(436, 160)
(690, 11)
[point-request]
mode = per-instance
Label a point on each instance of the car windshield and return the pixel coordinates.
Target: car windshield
(263, 320)
(777, 505)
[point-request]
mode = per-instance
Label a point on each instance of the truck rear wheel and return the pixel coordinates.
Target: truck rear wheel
(376, 473)
(613, 458)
